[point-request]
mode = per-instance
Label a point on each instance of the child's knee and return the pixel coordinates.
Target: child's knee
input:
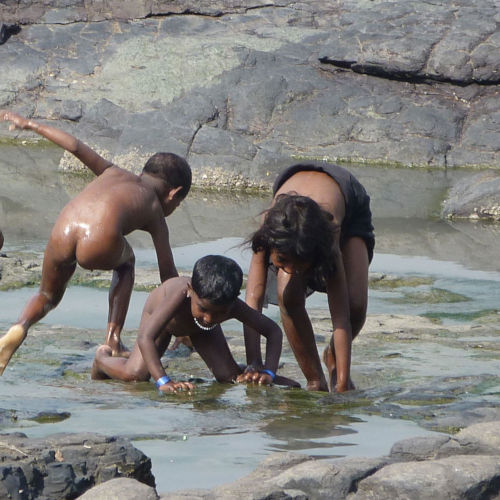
(103, 351)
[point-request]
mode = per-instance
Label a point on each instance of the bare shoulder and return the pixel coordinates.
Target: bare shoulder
(117, 172)
(176, 284)
(172, 290)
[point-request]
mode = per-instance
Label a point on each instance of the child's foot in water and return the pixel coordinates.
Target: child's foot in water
(95, 372)
(9, 344)
(329, 360)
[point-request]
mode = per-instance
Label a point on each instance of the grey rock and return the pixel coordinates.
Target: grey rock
(120, 489)
(457, 477)
(474, 198)
(419, 448)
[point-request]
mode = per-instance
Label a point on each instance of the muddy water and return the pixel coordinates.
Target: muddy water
(221, 432)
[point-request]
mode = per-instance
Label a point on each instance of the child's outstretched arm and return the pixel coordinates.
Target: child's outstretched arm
(84, 153)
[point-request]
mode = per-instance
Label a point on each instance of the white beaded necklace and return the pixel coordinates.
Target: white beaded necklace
(205, 328)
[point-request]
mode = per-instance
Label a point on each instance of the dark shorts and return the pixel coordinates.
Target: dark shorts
(358, 216)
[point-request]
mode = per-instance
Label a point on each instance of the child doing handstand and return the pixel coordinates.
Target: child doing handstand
(195, 308)
(317, 235)
(91, 231)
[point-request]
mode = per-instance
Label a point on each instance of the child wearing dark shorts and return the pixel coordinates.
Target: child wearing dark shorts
(318, 236)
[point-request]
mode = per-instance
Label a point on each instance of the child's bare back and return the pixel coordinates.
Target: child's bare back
(91, 231)
(92, 226)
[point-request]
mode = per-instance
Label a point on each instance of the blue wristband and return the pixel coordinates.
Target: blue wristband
(270, 373)
(162, 381)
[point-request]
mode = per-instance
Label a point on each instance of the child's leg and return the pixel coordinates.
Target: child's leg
(111, 251)
(55, 277)
(213, 349)
(126, 369)
(119, 299)
(356, 262)
(298, 329)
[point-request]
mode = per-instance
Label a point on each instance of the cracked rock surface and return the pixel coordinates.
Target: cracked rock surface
(242, 88)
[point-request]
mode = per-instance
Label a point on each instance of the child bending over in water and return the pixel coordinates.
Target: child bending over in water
(91, 231)
(195, 308)
(317, 235)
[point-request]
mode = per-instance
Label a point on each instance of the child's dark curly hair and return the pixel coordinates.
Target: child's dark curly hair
(297, 226)
(217, 278)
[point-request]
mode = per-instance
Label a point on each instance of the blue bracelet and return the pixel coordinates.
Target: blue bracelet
(270, 373)
(162, 381)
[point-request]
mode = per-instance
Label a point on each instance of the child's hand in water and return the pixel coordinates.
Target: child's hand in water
(253, 376)
(176, 387)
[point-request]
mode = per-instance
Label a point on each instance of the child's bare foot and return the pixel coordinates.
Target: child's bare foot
(118, 349)
(102, 351)
(181, 340)
(329, 360)
(9, 344)
(317, 385)
(121, 352)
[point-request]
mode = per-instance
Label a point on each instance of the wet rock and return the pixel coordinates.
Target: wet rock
(474, 197)
(66, 465)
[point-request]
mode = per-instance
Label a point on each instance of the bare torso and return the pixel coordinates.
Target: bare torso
(181, 323)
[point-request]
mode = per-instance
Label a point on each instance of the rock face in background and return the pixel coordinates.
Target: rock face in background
(241, 88)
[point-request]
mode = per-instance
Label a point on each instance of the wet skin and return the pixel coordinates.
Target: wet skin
(347, 292)
(171, 310)
(90, 231)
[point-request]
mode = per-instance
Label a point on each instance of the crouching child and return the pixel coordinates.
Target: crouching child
(195, 308)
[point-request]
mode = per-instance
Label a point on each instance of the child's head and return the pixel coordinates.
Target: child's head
(217, 279)
(297, 227)
(173, 169)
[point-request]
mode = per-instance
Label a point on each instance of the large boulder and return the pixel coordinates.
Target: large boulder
(243, 88)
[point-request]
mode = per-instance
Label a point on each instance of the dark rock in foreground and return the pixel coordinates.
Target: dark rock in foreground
(66, 465)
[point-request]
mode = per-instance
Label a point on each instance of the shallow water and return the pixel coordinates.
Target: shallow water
(222, 431)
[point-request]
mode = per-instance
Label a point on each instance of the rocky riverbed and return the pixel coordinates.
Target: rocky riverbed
(241, 88)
